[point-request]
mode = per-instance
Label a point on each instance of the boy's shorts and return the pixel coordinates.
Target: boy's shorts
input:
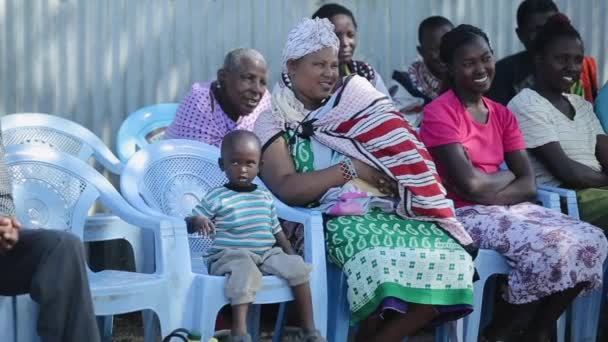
(244, 270)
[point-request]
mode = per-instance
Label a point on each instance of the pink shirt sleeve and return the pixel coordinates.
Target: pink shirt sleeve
(440, 124)
(194, 117)
(512, 137)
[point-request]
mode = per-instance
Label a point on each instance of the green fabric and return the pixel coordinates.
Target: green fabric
(593, 206)
(301, 152)
(384, 256)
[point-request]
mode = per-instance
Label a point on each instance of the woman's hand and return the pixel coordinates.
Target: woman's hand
(377, 178)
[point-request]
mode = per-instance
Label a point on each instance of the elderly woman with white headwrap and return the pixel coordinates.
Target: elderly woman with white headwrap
(388, 223)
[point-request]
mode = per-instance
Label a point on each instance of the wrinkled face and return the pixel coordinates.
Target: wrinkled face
(245, 85)
(347, 34)
(472, 67)
(528, 32)
(242, 162)
(314, 76)
(429, 49)
(561, 62)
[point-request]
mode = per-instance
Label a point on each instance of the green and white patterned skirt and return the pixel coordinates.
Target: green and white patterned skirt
(389, 262)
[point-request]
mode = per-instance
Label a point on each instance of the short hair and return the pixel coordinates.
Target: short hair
(530, 7)
(558, 25)
(430, 23)
(460, 35)
(233, 58)
(236, 138)
(330, 10)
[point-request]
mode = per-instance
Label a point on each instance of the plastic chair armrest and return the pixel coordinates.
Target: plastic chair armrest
(548, 200)
(569, 195)
(560, 191)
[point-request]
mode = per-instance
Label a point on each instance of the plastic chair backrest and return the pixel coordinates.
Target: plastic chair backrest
(57, 133)
(171, 177)
(601, 106)
(54, 190)
(47, 196)
(143, 127)
(63, 187)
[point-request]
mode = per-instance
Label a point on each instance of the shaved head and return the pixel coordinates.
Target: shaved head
(240, 139)
(234, 59)
(241, 157)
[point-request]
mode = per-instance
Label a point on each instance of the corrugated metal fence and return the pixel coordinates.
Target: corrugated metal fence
(95, 61)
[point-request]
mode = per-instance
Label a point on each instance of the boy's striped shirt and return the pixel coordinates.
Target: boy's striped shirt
(243, 219)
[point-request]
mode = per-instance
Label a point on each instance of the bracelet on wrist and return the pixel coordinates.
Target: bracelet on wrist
(347, 168)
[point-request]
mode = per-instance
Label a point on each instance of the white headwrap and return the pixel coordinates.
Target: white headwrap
(310, 35)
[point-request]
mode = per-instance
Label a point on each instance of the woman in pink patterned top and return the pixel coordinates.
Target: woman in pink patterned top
(233, 101)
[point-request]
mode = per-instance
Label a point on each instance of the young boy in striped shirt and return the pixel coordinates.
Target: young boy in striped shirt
(247, 232)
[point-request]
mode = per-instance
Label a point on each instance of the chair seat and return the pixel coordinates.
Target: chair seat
(106, 282)
(116, 292)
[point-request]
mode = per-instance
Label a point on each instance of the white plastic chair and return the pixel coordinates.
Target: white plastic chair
(143, 127)
(170, 177)
(34, 129)
(58, 133)
(59, 189)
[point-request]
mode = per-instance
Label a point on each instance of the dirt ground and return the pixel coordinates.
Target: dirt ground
(129, 328)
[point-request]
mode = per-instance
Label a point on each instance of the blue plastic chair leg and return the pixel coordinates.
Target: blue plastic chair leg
(441, 335)
(338, 310)
(474, 319)
(105, 327)
(7, 318)
(280, 323)
(26, 318)
(584, 314)
(561, 327)
(253, 321)
(151, 325)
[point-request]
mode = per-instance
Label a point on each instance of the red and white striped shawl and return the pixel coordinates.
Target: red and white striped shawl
(364, 124)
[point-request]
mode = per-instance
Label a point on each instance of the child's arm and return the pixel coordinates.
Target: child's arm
(200, 219)
(284, 243)
(277, 231)
(200, 224)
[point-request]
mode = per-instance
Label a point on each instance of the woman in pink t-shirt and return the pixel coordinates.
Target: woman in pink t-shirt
(553, 256)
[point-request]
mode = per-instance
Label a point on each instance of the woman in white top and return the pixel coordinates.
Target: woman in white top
(567, 142)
